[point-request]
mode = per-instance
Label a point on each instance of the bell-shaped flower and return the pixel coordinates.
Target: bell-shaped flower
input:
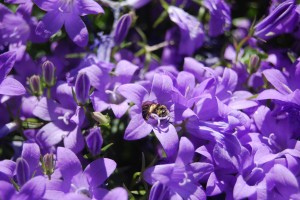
(179, 179)
(152, 111)
(108, 97)
(65, 119)
(67, 13)
(78, 182)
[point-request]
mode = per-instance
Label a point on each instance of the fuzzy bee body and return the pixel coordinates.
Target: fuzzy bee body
(149, 108)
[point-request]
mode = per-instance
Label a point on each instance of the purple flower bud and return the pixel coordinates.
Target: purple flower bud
(48, 164)
(35, 85)
(23, 171)
(283, 15)
(122, 28)
(82, 88)
(48, 73)
(94, 141)
(254, 61)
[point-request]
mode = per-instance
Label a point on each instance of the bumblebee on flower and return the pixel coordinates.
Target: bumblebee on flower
(152, 111)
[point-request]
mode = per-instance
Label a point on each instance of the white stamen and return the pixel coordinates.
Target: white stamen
(185, 180)
(65, 118)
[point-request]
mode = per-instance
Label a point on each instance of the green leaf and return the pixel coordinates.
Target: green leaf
(106, 147)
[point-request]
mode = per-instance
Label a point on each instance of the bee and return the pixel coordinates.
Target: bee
(149, 108)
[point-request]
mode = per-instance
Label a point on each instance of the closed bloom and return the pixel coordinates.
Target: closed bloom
(281, 20)
(122, 28)
(48, 72)
(35, 85)
(66, 12)
(94, 141)
(82, 88)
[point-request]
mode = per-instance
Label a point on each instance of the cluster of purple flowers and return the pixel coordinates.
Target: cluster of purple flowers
(139, 99)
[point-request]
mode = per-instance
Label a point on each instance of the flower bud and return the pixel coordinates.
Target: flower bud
(48, 73)
(35, 85)
(82, 88)
(94, 141)
(254, 61)
(102, 119)
(122, 28)
(23, 171)
(48, 164)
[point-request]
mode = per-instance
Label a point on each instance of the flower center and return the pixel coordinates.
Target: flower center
(114, 96)
(81, 190)
(65, 118)
(65, 6)
(185, 180)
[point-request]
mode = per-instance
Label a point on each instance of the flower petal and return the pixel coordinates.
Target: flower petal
(31, 153)
(47, 5)
(185, 152)
(11, 87)
(99, 170)
(168, 138)
(161, 173)
(86, 7)
(34, 189)
(119, 109)
(67, 163)
(242, 190)
(116, 194)
(50, 135)
(286, 182)
(133, 92)
(7, 61)
(7, 190)
(276, 78)
(74, 140)
(162, 86)
(50, 24)
(77, 30)
(137, 127)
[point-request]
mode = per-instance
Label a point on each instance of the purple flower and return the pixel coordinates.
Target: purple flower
(34, 189)
(152, 111)
(287, 88)
(67, 12)
(23, 172)
(179, 179)
(17, 28)
(257, 179)
(281, 20)
(83, 183)
(65, 119)
(191, 31)
(108, 96)
(220, 19)
(8, 85)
